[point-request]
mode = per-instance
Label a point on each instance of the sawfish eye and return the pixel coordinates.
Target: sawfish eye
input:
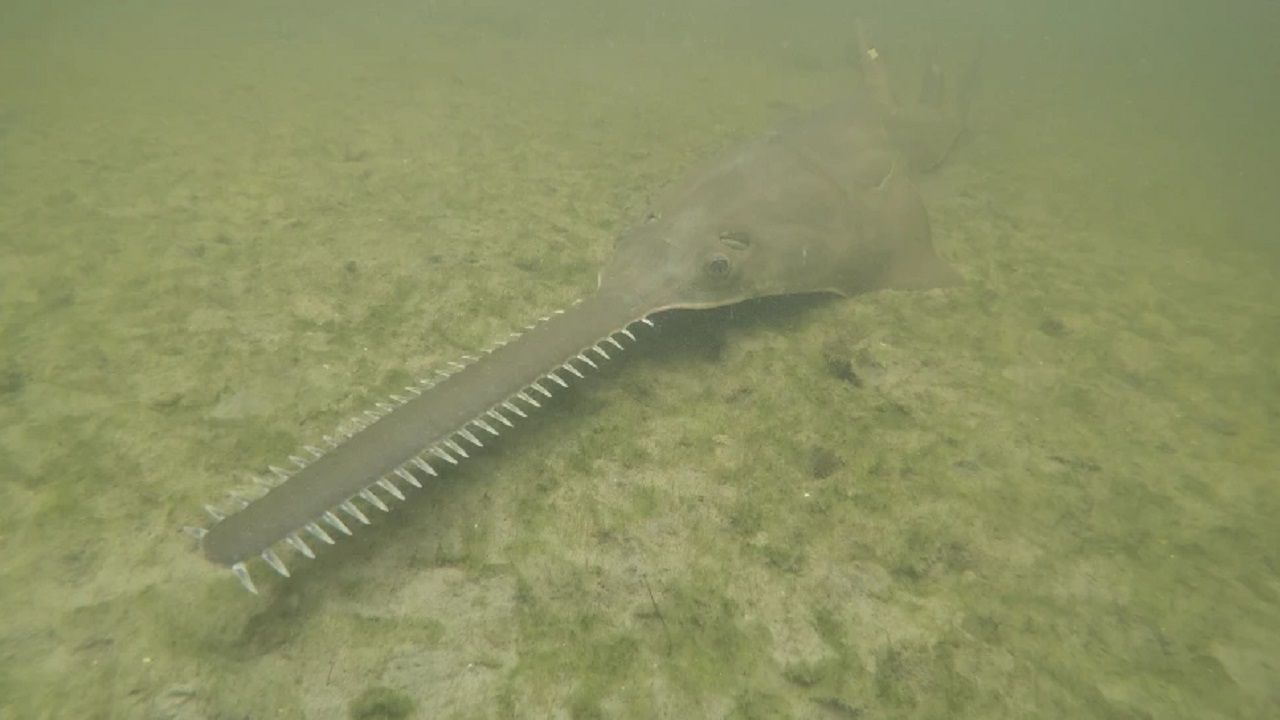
(717, 266)
(736, 239)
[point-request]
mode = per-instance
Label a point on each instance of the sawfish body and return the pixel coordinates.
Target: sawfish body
(822, 205)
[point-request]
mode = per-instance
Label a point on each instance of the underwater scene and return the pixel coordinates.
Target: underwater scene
(719, 359)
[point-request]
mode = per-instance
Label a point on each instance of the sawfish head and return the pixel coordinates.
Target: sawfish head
(782, 216)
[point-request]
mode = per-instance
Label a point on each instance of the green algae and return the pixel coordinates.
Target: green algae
(381, 703)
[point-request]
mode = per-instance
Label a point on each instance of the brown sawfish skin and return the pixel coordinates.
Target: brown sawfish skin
(822, 205)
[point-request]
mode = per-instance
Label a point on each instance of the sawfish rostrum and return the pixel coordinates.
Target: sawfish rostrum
(823, 205)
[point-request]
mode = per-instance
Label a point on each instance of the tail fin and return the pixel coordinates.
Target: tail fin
(874, 72)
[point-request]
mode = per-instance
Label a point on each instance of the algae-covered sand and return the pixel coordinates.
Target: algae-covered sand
(1048, 493)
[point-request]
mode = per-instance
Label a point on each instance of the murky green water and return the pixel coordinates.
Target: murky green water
(1049, 493)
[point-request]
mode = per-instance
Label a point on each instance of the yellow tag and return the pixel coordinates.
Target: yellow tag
(873, 54)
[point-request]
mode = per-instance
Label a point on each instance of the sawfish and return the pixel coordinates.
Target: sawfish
(825, 204)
